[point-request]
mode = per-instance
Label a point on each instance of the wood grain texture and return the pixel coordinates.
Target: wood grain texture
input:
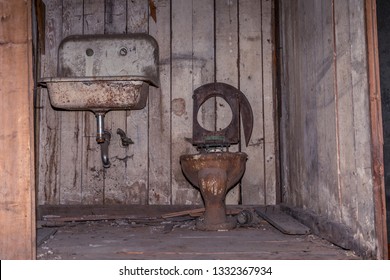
(270, 155)
(71, 123)
(203, 57)
(377, 129)
(181, 100)
(346, 123)
(49, 136)
(326, 113)
(121, 182)
(93, 171)
(251, 84)
(136, 158)
(326, 141)
(17, 179)
(360, 87)
(227, 67)
(160, 191)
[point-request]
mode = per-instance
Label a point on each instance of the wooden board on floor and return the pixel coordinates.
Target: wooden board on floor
(282, 221)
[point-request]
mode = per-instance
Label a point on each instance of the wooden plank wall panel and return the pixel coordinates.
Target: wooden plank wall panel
(299, 106)
(227, 63)
(71, 122)
(269, 101)
(364, 195)
(285, 120)
(159, 111)
(310, 159)
(251, 84)
(199, 43)
(49, 136)
(93, 172)
(329, 171)
(17, 193)
(203, 52)
(348, 179)
(115, 14)
(136, 160)
(182, 88)
(327, 110)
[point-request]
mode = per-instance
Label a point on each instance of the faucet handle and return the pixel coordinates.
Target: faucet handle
(126, 141)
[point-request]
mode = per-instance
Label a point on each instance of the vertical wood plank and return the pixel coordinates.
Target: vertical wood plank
(284, 64)
(115, 179)
(135, 189)
(269, 102)
(301, 98)
(376, 129)
(49, 136)
(93, 173)
(347, 144)
(17, 193)
(296, 105)
(362, 125)
(71, 122)
(226, 40)
(203, 60)
(326, 128)
(310, 158)
(137, 16)
(251, 84)
(181, 102)
(160, 191)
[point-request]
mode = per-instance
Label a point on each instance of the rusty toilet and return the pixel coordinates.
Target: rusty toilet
(215, 170)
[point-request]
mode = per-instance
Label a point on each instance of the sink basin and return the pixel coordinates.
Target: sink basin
(99, 94)
(104, 72)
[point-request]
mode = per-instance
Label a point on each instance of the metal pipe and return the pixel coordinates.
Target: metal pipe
(100, 127)
(104, 149)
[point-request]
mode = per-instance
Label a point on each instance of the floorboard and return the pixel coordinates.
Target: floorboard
(177, 239)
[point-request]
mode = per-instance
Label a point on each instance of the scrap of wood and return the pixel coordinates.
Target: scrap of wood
(197, 212)
(183, 213)
(282, 221)
(96, 218)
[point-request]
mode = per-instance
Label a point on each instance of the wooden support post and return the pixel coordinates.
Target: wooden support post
(17, 197)
(376, 129)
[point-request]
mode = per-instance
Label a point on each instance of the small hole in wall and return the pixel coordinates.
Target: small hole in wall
(89, 52)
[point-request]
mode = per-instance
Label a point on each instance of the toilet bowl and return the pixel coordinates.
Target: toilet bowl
(215, 170)
(214, 174)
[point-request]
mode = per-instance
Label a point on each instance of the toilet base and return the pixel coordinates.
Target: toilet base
(229, 224)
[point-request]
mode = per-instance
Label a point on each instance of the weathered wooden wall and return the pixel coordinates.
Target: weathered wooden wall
(200, 41)
(17, 193)
(383, 8)
(326, 133)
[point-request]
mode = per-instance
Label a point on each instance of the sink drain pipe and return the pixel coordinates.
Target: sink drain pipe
(103, 138)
